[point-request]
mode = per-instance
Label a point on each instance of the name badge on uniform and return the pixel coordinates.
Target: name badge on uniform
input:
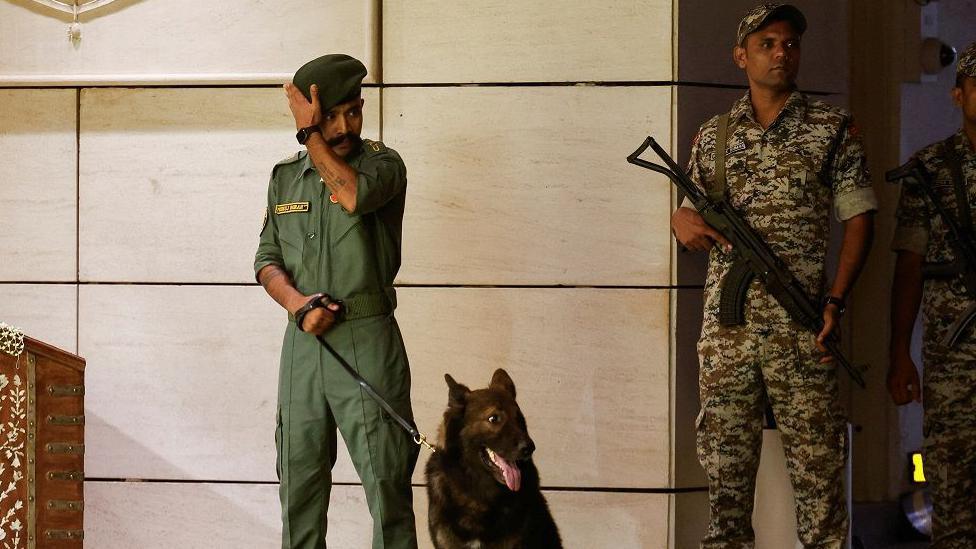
(291, 207)
(738, 147)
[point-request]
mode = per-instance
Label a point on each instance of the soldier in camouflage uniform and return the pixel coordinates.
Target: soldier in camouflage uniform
(950, 372)
(787, 159)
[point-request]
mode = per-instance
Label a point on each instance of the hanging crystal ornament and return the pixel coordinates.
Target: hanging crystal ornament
(74, 8)
(74, 29)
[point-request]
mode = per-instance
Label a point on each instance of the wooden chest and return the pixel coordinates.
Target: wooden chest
(42, 447)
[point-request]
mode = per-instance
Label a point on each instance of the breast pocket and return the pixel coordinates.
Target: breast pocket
(347, 226)
(291, 235)
(800, 188)
(354, 252)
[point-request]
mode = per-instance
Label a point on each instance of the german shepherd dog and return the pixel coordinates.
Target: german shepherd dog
(482, 486)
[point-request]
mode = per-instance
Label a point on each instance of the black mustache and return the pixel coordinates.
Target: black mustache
(346, 138)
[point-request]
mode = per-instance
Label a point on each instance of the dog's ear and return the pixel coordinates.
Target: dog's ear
(457, 393)
(501, 380)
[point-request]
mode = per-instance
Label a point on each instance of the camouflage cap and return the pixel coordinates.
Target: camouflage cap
(759, 15)
(338, 76)
(967, 62)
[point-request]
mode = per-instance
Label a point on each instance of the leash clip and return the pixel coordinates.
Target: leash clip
(421, 439)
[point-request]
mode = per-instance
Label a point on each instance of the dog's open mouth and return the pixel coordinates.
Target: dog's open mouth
(506, 472)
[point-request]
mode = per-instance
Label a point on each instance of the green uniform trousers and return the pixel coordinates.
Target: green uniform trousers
(741, 368)
(315, 397)
(949, 398)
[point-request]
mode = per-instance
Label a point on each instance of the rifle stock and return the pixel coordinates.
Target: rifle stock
(751, 258)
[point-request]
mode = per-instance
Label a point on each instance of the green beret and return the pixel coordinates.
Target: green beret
(761, 14)
(337, 75)
(967, 62)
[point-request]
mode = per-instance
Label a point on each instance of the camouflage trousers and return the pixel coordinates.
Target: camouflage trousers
(949, 398)
(769, 359)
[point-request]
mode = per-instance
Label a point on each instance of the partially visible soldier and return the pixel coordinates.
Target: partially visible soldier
(950, 373)
(783, 160)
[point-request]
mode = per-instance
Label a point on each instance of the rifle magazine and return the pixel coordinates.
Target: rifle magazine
(731, 309)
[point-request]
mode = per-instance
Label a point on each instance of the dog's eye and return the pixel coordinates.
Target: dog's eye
(494, 418)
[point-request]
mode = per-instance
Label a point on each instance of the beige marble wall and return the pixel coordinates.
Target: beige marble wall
(180, 41)
(192, 396)
(502, 41)
(516, 185)
(48, 312)
(529, 242)
(38, 188)
(166, 515)
(175, 181)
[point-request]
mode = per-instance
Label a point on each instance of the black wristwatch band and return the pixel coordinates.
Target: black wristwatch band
(313, 303)
(304, 133)
(831, 300)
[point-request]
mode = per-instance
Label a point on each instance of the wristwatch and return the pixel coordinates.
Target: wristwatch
(304, 133)
(838, 301)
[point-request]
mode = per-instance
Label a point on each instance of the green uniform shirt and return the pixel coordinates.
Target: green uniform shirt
(323, 247)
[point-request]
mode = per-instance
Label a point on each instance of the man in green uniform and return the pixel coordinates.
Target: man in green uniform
(922, 237)
(782, 160)
(333, 227)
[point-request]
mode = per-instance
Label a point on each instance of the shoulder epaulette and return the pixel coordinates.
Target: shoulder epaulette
(293, 158)
(373, 146)
(828, 109)
(288, 161)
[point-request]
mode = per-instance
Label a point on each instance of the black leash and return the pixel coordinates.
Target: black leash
(418, 437)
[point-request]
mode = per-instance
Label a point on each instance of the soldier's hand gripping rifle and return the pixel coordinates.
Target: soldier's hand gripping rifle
(914, 174)
(751, 258)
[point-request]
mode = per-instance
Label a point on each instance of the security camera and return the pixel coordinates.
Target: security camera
(936, 55)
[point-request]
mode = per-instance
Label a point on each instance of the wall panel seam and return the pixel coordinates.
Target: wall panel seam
(406, 286)
(579, 489)
(77, 219)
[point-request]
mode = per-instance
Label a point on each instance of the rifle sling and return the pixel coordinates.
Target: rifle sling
(834, 146)
(954, 163)
(717, 192)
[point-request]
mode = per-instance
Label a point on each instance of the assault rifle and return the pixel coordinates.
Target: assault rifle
(913, 173)
(751, 257)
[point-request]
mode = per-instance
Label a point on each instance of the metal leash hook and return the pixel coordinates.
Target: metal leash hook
(421, 439)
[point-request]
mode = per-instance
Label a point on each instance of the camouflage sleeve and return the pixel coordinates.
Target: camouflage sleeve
(694, 170)
(912, 222)
(269, 250)
(381, 177)
(853, 194)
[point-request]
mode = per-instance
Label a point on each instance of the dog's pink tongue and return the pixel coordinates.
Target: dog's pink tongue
(511, 472)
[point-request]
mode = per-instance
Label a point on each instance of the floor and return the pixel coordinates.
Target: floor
(883, 526)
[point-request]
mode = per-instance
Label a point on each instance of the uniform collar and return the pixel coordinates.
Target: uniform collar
(795, 106)
(307, 162)
(961, 141)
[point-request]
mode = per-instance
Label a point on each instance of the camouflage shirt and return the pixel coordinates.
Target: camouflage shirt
(922, 231)
(778, 180)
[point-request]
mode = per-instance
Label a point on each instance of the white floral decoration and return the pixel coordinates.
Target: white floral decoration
(13, 437)
(11, 340)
